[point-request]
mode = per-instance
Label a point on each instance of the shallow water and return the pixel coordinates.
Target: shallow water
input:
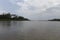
(29, 30)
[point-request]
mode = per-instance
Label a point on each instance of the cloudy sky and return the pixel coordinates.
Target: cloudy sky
(32, 9)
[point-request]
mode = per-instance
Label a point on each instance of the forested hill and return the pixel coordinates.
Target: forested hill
(14, 17)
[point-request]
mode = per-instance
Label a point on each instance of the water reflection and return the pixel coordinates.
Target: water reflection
(9, 30)
(33, 30)
(5, 23)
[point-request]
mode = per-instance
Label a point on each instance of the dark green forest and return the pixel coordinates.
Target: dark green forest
(12, 17)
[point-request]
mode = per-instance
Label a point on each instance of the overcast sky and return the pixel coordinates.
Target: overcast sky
(32, 9)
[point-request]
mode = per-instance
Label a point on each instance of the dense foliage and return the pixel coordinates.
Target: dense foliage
(9, 16)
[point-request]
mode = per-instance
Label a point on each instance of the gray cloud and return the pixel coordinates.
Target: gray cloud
(50, 13)
(33, 8)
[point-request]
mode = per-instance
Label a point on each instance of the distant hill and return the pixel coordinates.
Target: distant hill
(54, 20)
(14, 17)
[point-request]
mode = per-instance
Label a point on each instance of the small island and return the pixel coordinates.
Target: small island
(54, 20)
(12, 17)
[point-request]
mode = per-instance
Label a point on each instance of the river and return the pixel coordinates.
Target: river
(29, 30)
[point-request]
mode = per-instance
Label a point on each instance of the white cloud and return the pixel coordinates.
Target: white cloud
(39, 6)
(3, 11)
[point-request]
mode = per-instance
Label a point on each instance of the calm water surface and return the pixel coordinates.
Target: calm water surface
(29, 30)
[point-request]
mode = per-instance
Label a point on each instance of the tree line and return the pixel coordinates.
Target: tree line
(8, 16)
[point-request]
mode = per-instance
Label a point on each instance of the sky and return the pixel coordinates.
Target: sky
(32, 9)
